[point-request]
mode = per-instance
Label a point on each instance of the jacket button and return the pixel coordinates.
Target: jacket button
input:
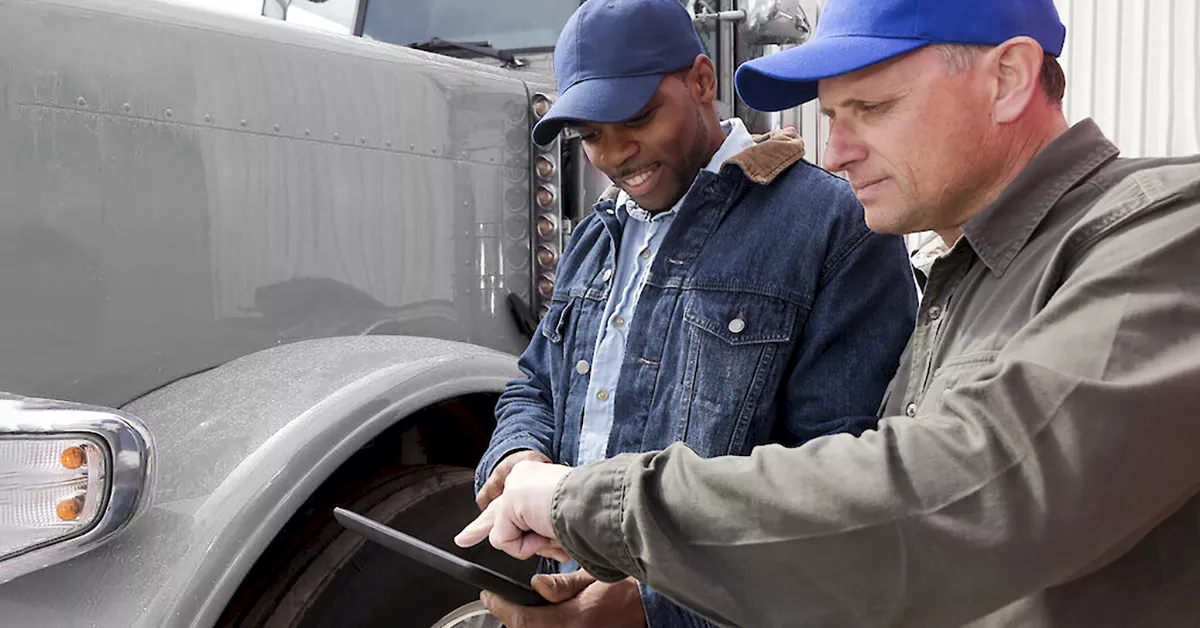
(935, 313)
(645, 254)
(618, 321)
(607, 275)
(910, 410)
(737, 325)
(583, 367)
(602, 395)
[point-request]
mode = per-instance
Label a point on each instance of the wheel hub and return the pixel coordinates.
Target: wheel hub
(473, 615)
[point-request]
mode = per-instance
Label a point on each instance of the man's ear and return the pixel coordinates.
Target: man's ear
(1015, 68)
(702, 80)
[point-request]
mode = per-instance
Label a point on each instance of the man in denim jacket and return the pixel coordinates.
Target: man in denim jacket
(724, 293)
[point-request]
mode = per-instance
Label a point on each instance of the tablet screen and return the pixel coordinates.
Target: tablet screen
(472, 573)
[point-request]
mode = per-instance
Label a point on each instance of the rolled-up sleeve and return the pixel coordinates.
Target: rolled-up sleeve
(1043, 464)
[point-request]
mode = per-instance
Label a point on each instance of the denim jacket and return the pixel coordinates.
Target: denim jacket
(770, 314)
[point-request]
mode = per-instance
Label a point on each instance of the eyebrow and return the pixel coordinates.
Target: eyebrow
(858, 102)
(848, 102)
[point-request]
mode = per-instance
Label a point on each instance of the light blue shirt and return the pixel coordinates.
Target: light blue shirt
(641, 236)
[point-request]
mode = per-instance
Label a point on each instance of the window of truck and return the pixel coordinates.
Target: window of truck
(510, 25)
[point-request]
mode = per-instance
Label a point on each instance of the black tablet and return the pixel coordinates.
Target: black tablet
(424, 553)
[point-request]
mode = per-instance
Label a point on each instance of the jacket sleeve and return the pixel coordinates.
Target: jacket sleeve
(849, 348)
(1047, 464)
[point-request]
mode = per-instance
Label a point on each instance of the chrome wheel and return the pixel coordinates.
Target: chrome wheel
(472, 615)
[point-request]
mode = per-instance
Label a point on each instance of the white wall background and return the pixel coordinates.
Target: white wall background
(1131, 65)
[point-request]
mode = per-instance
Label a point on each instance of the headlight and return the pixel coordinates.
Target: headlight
(71, 477)
(49, 489)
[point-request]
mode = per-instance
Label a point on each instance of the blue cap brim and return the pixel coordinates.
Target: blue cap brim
(603, 100)
(789, 78)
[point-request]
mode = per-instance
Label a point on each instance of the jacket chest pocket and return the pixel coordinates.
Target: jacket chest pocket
(950, 374)
(555, 323)
(735, 345)
(558, 328)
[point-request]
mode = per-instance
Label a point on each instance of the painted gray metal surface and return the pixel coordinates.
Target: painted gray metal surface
(239, 448)
(182, 188)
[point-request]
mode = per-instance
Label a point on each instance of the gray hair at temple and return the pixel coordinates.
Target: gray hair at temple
(960, 57)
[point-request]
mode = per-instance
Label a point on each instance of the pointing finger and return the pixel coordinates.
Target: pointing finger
(478, 529)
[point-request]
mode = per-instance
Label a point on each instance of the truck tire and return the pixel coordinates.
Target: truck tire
(318, 574)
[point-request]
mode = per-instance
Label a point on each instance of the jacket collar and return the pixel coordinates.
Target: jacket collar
(999, 232)
(771, 155)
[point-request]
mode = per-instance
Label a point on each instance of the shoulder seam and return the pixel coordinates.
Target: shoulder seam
(833, 263)
(1148, 200)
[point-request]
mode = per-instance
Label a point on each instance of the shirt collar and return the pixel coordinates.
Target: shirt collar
(1003, 228)
(737, 139)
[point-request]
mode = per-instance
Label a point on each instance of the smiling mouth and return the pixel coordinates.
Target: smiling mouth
(639, 180)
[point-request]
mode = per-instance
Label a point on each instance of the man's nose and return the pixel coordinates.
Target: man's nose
(617, 149)
(842, 149)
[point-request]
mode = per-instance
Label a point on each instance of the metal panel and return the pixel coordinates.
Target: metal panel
(183, 187)
(1132, 66)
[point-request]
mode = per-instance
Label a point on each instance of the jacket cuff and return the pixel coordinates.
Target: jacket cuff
(497, 451)
(587, 513)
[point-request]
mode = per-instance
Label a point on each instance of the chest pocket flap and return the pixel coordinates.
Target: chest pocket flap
(554, 323)
(742, 318)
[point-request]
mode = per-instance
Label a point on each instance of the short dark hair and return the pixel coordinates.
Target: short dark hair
(959, 57)
(1053, 79)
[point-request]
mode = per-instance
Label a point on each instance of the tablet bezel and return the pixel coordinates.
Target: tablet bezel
(472, 573)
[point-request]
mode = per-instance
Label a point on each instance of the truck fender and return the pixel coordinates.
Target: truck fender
(240, 449)
(305, 408)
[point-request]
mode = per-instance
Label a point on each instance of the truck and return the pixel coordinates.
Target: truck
(256, 267)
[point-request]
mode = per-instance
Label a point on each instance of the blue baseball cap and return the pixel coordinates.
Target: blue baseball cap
(611, 56)
(854, 34)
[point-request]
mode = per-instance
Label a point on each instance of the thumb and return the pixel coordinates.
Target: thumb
(561, 587)
(508, 613)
